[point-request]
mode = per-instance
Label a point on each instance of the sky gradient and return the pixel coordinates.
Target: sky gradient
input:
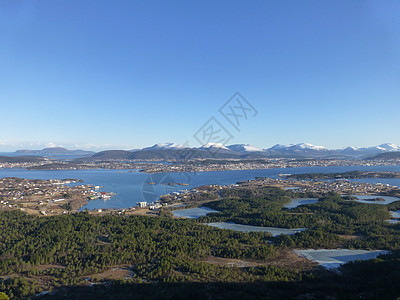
(125, 74)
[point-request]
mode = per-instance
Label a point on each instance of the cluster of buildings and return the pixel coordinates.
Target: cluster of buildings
(194, 165)
(151, 206)
(318, 188)
(21, 165)
(35, 195)
(323, 186)
(345, 187)
(231, 165)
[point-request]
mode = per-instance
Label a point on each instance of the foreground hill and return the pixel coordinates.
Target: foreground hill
(80, 256)
(386, 156)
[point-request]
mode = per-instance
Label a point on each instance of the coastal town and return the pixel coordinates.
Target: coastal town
(201, 195)
(46, 197)
(230, 165)
(54, 196)
(198, 165)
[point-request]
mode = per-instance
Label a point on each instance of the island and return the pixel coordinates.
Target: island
(344, 175)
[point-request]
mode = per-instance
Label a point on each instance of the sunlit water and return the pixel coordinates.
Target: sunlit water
(301, 201)
(132, 187)
(334, 258)
(364, 199)
(248, 228)
(193, 213)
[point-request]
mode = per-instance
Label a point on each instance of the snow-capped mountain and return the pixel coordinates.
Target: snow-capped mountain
(297, 150)
(306, 146)
(350, 148)
(167, 151)
(301, 146)
(164, 146)
(350, 151)
(368, 151)
(279, 146)
(215, 146)
(389, 147)
(244, 148)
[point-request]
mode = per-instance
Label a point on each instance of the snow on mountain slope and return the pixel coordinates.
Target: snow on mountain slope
(214, 145)
(301, 146)
(164, 146)
(243, 148)
(389, 147)
(308, 146)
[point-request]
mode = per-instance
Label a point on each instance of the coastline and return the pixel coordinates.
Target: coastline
(152, 167)
(177, 183)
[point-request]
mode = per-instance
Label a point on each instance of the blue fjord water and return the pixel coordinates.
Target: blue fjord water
(131, 186)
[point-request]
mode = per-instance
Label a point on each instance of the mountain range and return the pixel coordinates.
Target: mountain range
(168, 151)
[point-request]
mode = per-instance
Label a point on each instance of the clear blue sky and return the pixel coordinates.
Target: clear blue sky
(119, 74)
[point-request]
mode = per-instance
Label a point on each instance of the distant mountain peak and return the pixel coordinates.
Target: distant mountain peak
(280, 146)
(164, 146)
(172, 151)
(214, 145)
(300, 146)
(309, 146)
(244, 148)
(389, 147)
(351, 148)
(53, 151)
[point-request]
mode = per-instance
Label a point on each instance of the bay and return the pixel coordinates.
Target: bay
(131, 186)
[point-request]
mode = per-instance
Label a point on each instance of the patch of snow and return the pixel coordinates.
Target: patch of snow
(244, 148)
(162, 146)
(214, 145)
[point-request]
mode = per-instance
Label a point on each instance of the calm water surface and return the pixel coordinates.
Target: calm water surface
(248, 228)
(364, 199)
(132, 187)
(193, 213)
(334, 258)
(301, 201)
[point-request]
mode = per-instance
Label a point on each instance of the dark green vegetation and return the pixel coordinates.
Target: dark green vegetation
(375, 279)
(327, 220)
(347, 175)
(386, 156)
(157, 249)
(166, 256)
(20, 159)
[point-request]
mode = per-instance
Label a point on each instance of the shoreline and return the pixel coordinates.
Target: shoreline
(299, 185)
(151, 167)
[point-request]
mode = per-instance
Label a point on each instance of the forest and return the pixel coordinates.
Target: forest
(327, 221)
(167, 258)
